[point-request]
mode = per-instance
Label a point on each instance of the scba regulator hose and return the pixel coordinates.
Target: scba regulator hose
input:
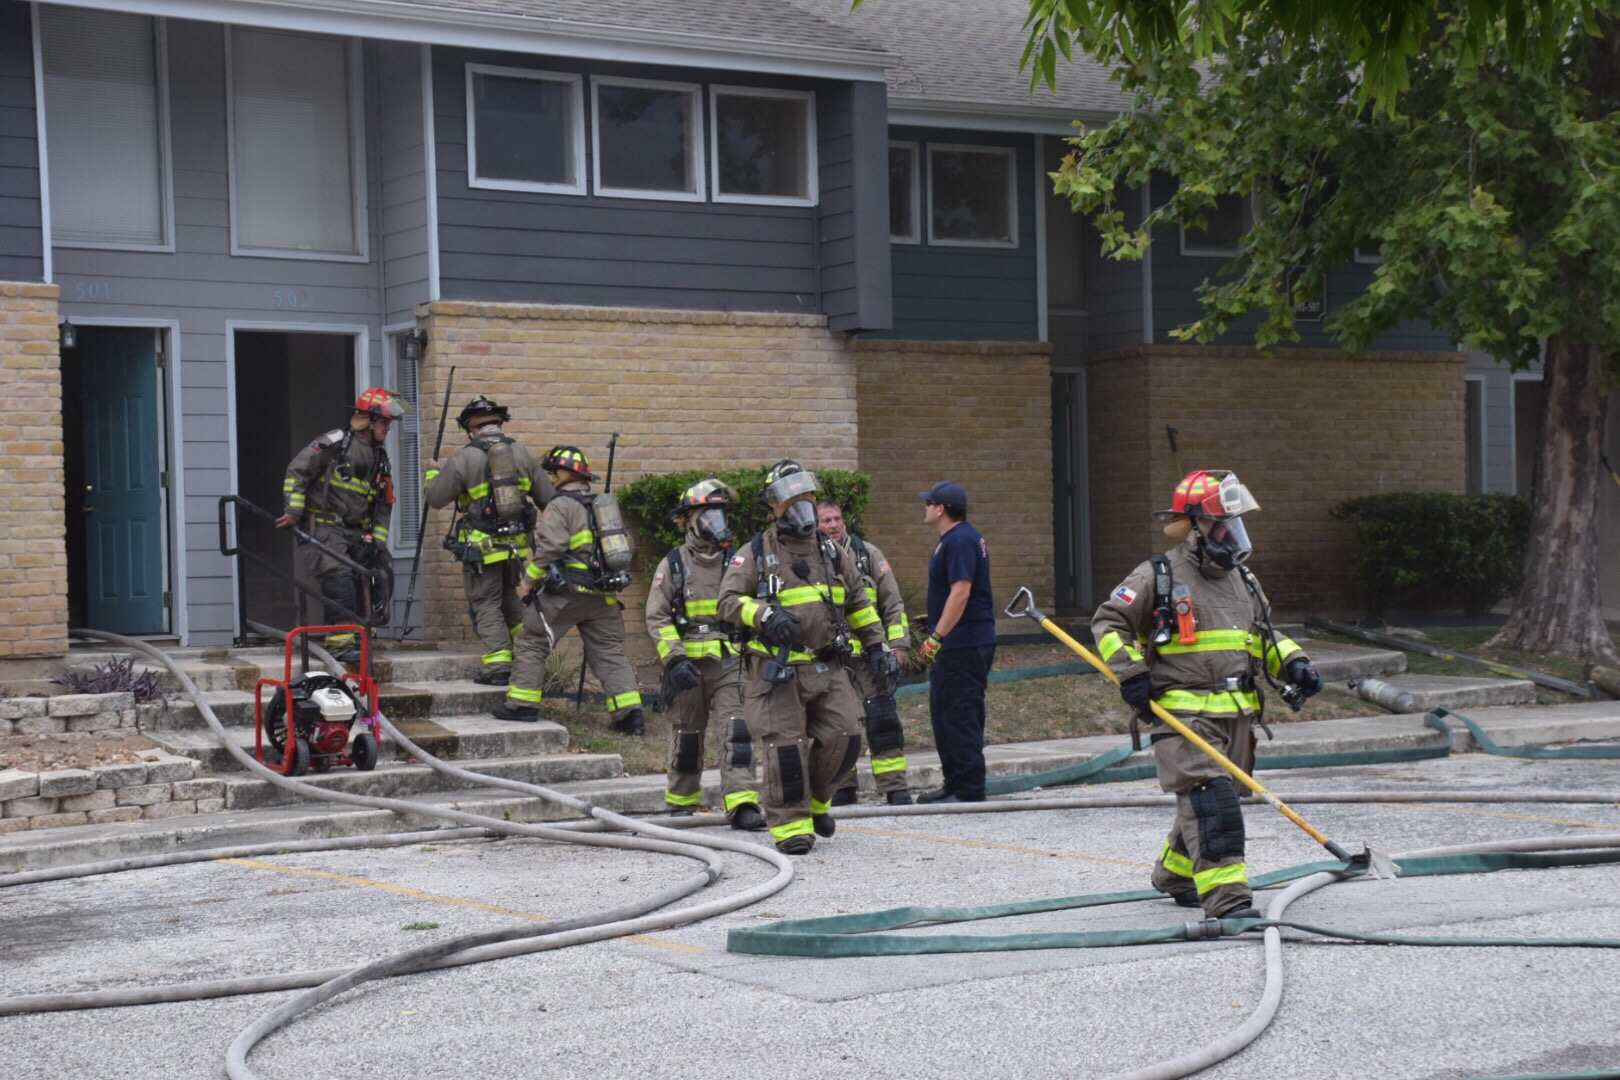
(840, 935)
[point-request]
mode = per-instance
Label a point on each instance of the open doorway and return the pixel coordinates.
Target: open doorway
(290, 389)
(117, 478)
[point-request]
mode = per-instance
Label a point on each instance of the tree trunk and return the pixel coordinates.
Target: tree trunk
(1558, 610)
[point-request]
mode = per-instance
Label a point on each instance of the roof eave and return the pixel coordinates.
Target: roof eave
(1032, 119)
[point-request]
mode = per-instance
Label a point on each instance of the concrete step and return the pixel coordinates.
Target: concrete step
(1462, 692)
(463, 738)
(399, 701)
(406, 781)
(1345, 663)
(240, 669)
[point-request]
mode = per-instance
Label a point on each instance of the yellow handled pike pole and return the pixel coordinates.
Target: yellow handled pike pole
(1367, 862)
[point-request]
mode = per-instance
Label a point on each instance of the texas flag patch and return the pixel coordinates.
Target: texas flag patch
(738, 561)
(1125, 594)
(658, 578)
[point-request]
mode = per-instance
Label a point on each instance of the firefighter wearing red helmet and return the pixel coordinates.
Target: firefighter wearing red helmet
(341, 490)
(496, 484)
(1191, 630)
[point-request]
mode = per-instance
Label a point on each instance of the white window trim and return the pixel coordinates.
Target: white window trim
(812, 158)
(695, 156)
(576, 84)
(916, 191)
(1357, 255)
(160, 59)
(1218, 253)
(357, 167)
(1012, 195)
(391, 335)
(1484, 414)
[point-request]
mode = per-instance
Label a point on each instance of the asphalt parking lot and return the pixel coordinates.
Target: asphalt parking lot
(677, 1004)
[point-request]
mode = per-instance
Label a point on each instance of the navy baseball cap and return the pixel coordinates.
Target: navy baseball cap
(946, 493)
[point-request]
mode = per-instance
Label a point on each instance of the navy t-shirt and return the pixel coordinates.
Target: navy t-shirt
(962, 556)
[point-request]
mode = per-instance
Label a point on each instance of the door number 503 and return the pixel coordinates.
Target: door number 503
(291, 300)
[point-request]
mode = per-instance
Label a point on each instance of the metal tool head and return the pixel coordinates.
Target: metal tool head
(1374, 865)
(1022, 606)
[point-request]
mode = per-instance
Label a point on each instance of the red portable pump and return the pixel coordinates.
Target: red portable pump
(307, 722)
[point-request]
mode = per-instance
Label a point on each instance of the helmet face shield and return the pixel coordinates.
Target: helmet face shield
(382, 403)
(799, 518)
(792, 486)
(1227, 543)
(1231, 499)
(712, 526)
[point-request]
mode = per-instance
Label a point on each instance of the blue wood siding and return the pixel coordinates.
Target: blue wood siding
(967, 293)
(530, 247)
(22, 250)
(401, 180)
(854, 139)
(1176, 278)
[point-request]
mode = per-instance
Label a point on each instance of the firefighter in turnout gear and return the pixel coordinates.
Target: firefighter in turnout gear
(340, 490)
(884, 738)
(1191, 629)
(496, 485)
(566, 583)
(801, 599)
(703, 673)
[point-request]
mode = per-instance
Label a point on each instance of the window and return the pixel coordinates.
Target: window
(905, 226)
(1474, 427)
(106, 128)
(764, 146)
(407, 449)
(1228, 222)
(525, 130)
(646, 138)
(296, 162)
(1528, 401)
(972, 201)
(1369, 251)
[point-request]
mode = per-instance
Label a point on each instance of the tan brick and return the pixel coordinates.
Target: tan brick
(94, 800)
(177, 808)
(57, 821)
(115, 813)
(31, 807)
(144, 794)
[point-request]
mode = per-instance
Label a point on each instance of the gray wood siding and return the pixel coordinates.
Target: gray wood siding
(402, 180)
(855, 278)
(968, 293)
(1176, 278)
(22, 251)
(1114, 293)
(531, 247)
(202, 286)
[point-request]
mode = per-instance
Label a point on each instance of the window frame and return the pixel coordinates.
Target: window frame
(1008, 152)
(916, 190)
(695, 155)
(1477, 378)
(812, 159)
(160, 60)
(1366, 258)
(1220, 253)
(357, 157)
(576, 83)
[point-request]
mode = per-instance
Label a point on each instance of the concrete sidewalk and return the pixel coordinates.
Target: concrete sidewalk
(643, 795)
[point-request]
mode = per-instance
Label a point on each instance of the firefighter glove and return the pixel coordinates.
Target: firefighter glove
(882, 665)
(930, 648)
(1302, 675)
(683, 675)
(1138, 693)
(779, 628)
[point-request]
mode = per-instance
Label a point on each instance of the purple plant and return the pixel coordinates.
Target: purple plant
(115, 677)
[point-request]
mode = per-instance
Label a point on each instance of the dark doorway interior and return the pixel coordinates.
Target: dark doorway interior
(290, 389)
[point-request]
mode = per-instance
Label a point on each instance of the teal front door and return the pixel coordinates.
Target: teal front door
(123, 493)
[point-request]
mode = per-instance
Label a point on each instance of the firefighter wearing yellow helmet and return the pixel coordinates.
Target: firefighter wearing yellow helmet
(1191, 629)
(703, 672)
(340, 490)
(802, 600)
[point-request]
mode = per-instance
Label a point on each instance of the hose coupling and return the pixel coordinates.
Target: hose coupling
(1204, 930)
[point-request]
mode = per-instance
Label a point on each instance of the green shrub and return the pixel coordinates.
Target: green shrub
(1435, 549)
(647, 502)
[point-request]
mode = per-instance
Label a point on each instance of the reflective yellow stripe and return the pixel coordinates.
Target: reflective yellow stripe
(810, 594)
(881, 765)
(1175, 862)
(741, 798)
(340, 639)
(700, 650)
(431, 473)
(517, 693)
(359, 487)
(499, 656)
(379, 533)
(863, 618)
(624, 701)
(296, 501)
(905, 621)
(1279, 657)
(287, 484)
(750, 611)
(525, 484)
(1212, 641)
(897, 632)
(516, 628)
(703, 607)
(664, 649)
(819, 807)
(796, 827)
(794, 656)
(669, 633)
(580, 539)
(478, 491)
(533, 572)
(871, 595)
(1219, 703)
(1236, 874)
(1110, 643)
(683, 800)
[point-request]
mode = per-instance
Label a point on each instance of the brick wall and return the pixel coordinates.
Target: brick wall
(979, 413)
(33, 558)
(1303, 428)
(685, 390)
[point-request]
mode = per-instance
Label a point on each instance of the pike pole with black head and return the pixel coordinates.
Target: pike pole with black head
(1366, 862)
(607, 486)
(421, 528)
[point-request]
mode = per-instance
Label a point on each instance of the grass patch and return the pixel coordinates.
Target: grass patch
(420, 926)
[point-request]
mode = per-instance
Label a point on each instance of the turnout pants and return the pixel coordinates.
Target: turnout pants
(1204, 850)
(601, 630)
(810, 737)
(718, 701)
(335, 580)
(495, 610)
(887, 748)
(956, 686)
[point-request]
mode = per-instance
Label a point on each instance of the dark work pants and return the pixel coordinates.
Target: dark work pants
(956, 686)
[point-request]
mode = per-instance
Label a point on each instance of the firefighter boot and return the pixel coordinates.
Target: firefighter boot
(631, 723)
(846, 796)
(522, 713)
(747, 818)
(823, 824)
(796, 845)
(899, 798)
